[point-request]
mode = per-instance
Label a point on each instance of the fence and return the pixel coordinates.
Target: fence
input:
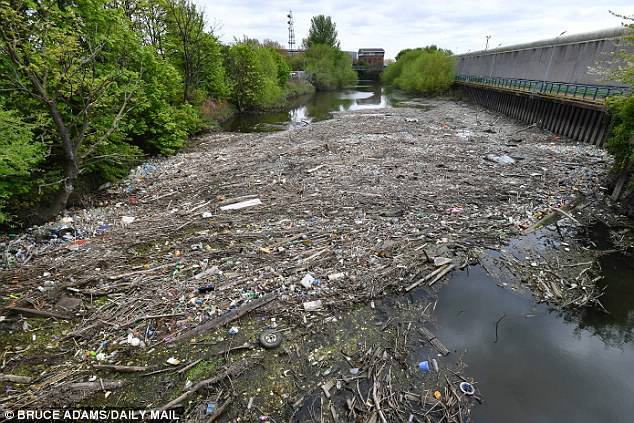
(582, 91)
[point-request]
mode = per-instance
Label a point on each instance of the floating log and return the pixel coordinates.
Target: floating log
(117, 368)
(435, 342)
(226, 318)
(38, 313)
(15, 379)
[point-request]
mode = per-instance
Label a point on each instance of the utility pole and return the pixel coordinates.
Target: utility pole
(486, 47)
(291, 33)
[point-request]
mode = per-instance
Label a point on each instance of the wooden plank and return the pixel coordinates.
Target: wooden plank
(434, 341)
(227, 317)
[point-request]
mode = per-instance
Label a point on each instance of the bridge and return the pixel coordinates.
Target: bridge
(552, 83)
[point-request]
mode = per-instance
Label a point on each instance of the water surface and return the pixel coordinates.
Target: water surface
(307, 109)
(546, 366)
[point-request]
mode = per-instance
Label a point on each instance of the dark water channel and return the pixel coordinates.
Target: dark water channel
(307, 109)
(546, 366)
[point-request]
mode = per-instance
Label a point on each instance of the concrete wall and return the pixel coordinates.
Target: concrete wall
(561, 59)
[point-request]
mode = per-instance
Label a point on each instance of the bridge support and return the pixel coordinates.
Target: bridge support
(579, 120)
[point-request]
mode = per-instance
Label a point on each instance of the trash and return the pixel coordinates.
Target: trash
(441, 261)
(411, 120)
(335, 276)
(270, 339)
(434, 364)
(126, 220)
(503, 159)
(133, 200)
(100, 357)
(455, 210)
(313, 305)
(354, 371)
(205, 289)
(437, 395)
(103, 229)
(173, 361)
(134, 341)
(233, 330)
(76, 245)
(211, 407)
(207, 215)
(209, 272)
(424, 366)
(467, 388)
(264, 419)
(307, 281)
(242, 204)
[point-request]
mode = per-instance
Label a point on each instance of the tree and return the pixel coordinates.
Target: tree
(322, 31)
(19, 153)
(71, 61)
(620, 142)
(426, 70)
(186, 27)
(246, 79)
(329, 68)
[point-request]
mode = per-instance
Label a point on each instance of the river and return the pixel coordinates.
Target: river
(542, 365)
(314, 108)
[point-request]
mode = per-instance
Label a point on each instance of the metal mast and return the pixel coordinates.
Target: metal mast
(291, 32)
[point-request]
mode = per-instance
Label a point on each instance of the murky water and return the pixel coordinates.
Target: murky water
(544, 365)
(304, 110)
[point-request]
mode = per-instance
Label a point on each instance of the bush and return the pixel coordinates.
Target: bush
(422, 71)
(19, 154)
(329, 68)
(621, 141)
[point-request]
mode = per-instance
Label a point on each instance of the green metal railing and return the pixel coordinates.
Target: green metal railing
(583, 91)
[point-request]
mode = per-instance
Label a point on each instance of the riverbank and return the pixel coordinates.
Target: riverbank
(304, 231)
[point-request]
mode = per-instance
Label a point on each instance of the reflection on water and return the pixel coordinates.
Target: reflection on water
(546, 366)
(304, 110)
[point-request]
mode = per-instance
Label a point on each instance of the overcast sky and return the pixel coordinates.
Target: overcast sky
(397, 24)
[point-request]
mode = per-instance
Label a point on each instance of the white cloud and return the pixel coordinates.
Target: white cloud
(458, 25)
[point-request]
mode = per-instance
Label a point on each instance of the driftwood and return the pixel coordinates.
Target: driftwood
(436, 274)
(15, 379)
(226, 318)
(439, 276)
(233, 370)
(435, 342)
(38, 313)
(554, 216)
(216, 414)
(117, 368)
(94, 386)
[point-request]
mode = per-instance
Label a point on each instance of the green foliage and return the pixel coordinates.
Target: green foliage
(621, 141)
(329, 68)
(258, 75)
(95, 89)
(299, 87)
(195, 52)
(322, 31)
(246, 79)
(428, 49)
(296, 61)
(424, 71)
(283, 69)
(624, 71)
(19, 154)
